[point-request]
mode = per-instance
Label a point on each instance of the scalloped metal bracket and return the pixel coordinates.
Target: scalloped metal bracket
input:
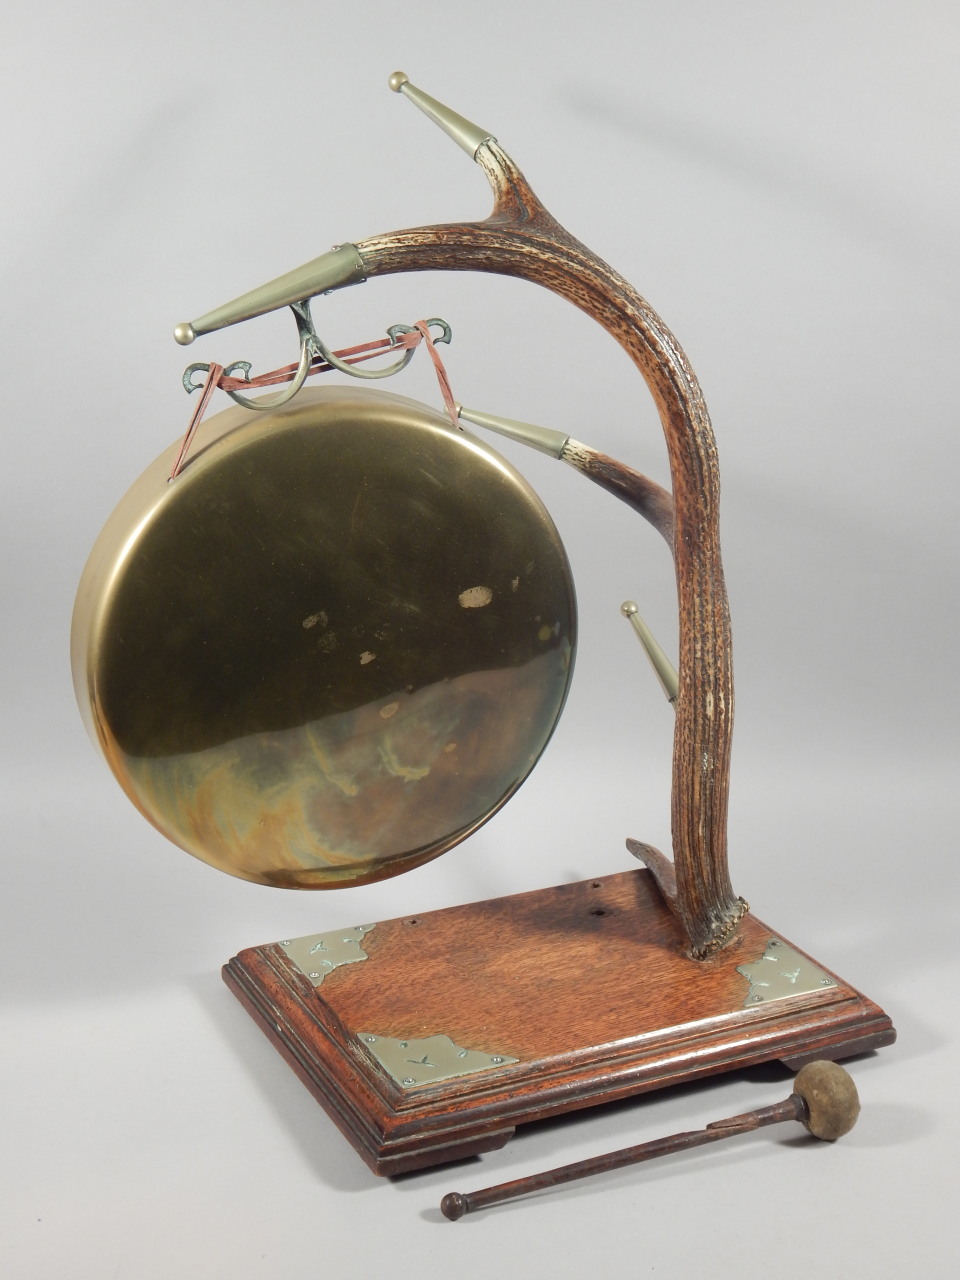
(320, 953)
(412, 1062)
(782, 972)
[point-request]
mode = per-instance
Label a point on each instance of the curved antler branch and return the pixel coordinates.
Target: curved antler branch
(638, 491)
(522, 239)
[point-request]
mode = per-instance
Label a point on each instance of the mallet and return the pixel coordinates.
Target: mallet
(824, 1100)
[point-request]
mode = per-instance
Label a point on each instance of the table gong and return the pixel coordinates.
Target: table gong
(327, 638)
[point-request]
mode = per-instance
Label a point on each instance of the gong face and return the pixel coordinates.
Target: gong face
(332, 647)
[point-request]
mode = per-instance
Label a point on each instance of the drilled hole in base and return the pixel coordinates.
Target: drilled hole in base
(601, 911)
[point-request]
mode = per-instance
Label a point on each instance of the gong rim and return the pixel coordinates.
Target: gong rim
(334, 757)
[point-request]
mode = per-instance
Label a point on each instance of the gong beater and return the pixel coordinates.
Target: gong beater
(824, 1099)
(332, 647)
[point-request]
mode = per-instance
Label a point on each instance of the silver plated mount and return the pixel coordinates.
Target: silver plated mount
(782, 972)
(319, 954)
(412, 1062)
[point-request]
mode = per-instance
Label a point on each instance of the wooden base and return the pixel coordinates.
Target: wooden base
(585, 985)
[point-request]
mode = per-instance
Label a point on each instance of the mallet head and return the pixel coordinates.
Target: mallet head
(832, 1104)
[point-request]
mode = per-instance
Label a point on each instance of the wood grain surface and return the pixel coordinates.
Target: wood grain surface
(587, 984)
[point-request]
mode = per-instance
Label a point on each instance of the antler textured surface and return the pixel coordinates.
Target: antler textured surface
(522, 239)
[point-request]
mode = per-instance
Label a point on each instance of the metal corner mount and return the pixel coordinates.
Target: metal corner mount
(319, 954)
(412, 1062)
(782, 972)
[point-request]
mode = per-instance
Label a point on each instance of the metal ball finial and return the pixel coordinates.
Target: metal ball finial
(184, 334)
(398, 80)
(831, 1099)
(629, 608)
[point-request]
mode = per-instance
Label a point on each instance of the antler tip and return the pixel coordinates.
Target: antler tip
(398, 80)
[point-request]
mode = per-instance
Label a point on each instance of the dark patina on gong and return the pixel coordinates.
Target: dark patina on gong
(333, 646)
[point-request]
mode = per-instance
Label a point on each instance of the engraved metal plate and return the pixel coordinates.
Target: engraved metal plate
(321, 953)
(412, 1062)
(782, 972)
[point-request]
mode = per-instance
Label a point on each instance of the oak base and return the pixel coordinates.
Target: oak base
(584, 985)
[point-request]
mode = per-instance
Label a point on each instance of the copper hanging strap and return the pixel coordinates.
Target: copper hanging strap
(217, 376)
(214, 375)
(351, 355)
(450, 404)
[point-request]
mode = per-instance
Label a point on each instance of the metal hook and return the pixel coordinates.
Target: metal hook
(274, 402)
(244, 367)
(189, 385)
(311, 349)
(230, 371)
(446, 333)
(305, 325)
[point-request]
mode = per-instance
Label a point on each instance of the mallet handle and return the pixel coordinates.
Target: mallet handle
(456, 1204)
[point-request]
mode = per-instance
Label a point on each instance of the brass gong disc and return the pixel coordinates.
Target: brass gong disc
(332, 647)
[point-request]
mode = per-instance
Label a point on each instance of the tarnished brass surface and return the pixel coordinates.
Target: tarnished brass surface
(340, 266)
(332, 647)
(464, 132)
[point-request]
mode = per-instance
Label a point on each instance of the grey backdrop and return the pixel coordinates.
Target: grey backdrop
(780, 181)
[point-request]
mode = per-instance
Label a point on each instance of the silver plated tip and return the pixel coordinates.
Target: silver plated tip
(184, 334)
(398, 80)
